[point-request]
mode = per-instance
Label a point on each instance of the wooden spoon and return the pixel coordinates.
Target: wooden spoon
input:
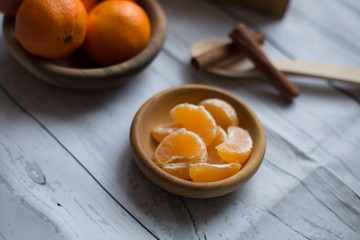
(243, 67)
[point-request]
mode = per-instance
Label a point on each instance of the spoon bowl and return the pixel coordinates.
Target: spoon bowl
(156, 110)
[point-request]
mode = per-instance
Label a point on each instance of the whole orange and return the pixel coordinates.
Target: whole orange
(51, 29)
(9, 7)
(89, 4)
(117, 30)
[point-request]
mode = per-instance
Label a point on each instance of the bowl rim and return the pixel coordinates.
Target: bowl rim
(127, 67)
(243, 175)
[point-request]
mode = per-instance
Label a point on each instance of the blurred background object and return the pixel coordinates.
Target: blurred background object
(272, 8)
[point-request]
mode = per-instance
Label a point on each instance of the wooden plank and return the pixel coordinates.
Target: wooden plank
(327, 193)
(302, 137)
(95, 130)
(309, 31)
(88, 113)
(46, 194)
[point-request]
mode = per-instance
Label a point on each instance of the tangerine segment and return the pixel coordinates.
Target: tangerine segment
(197, 119)
(163, 130)
(213, 156)
(223, 113)
(181, 146)
(180, 170)
(205, 172)
(238, 146)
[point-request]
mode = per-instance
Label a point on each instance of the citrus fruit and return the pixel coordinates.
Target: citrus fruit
(117, 31)
(10, 7)
(205, 172)
(180, 170)
(181, 146)
(237, 147)
(51, 29)
(197, 119)
(223, 113)
(89, 4)
(213, 156)
(161, 131)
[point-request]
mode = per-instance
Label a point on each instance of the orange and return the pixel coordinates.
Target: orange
(89, 4)
(197, 119)
(238, 146)
(161, 131)
(10, 7)
(205, 172)
(181, 146)
(117, 31)
(213, 156)
(180, 170)
(223, 113)
(51, 29)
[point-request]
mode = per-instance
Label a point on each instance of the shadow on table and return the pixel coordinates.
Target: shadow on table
(40, 97)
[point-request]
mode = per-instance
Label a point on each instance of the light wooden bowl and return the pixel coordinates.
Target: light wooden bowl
(156, 111)
(78, 71)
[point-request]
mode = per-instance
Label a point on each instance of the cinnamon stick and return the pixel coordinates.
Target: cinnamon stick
(243, 41)
(220, 53)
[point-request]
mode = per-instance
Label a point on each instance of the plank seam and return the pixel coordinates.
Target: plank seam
(312, 194)
(81, 165)
(287, 225)
(283, 51)
(191, 218)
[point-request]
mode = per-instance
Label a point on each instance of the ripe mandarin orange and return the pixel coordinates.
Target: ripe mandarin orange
(223, 113)
(238, 146)
(51, 29)
(197, 119)
(205, 172)
(10, 7)
(181, 146)
(117, 31)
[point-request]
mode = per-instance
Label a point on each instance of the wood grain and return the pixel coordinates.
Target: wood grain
(304, 189)
(34, 190)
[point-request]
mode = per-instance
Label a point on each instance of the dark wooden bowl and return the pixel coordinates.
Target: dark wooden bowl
(156, 111)
(79, 72)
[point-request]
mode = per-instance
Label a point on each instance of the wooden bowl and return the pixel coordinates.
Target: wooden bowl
(78, 71)
(156, 110)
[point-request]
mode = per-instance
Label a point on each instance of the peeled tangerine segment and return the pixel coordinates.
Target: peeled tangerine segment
(237, 148)
(213, 156)
(223, 113)
(180, 170)
(163, 130)
(205, 172)
(197, 119)
(181, 146)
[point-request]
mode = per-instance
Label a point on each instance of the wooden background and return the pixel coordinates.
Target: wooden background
(66, 170)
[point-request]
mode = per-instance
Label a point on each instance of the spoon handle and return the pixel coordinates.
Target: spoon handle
(334, 72)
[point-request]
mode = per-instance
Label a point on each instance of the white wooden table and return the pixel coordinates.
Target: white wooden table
(66, 170)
